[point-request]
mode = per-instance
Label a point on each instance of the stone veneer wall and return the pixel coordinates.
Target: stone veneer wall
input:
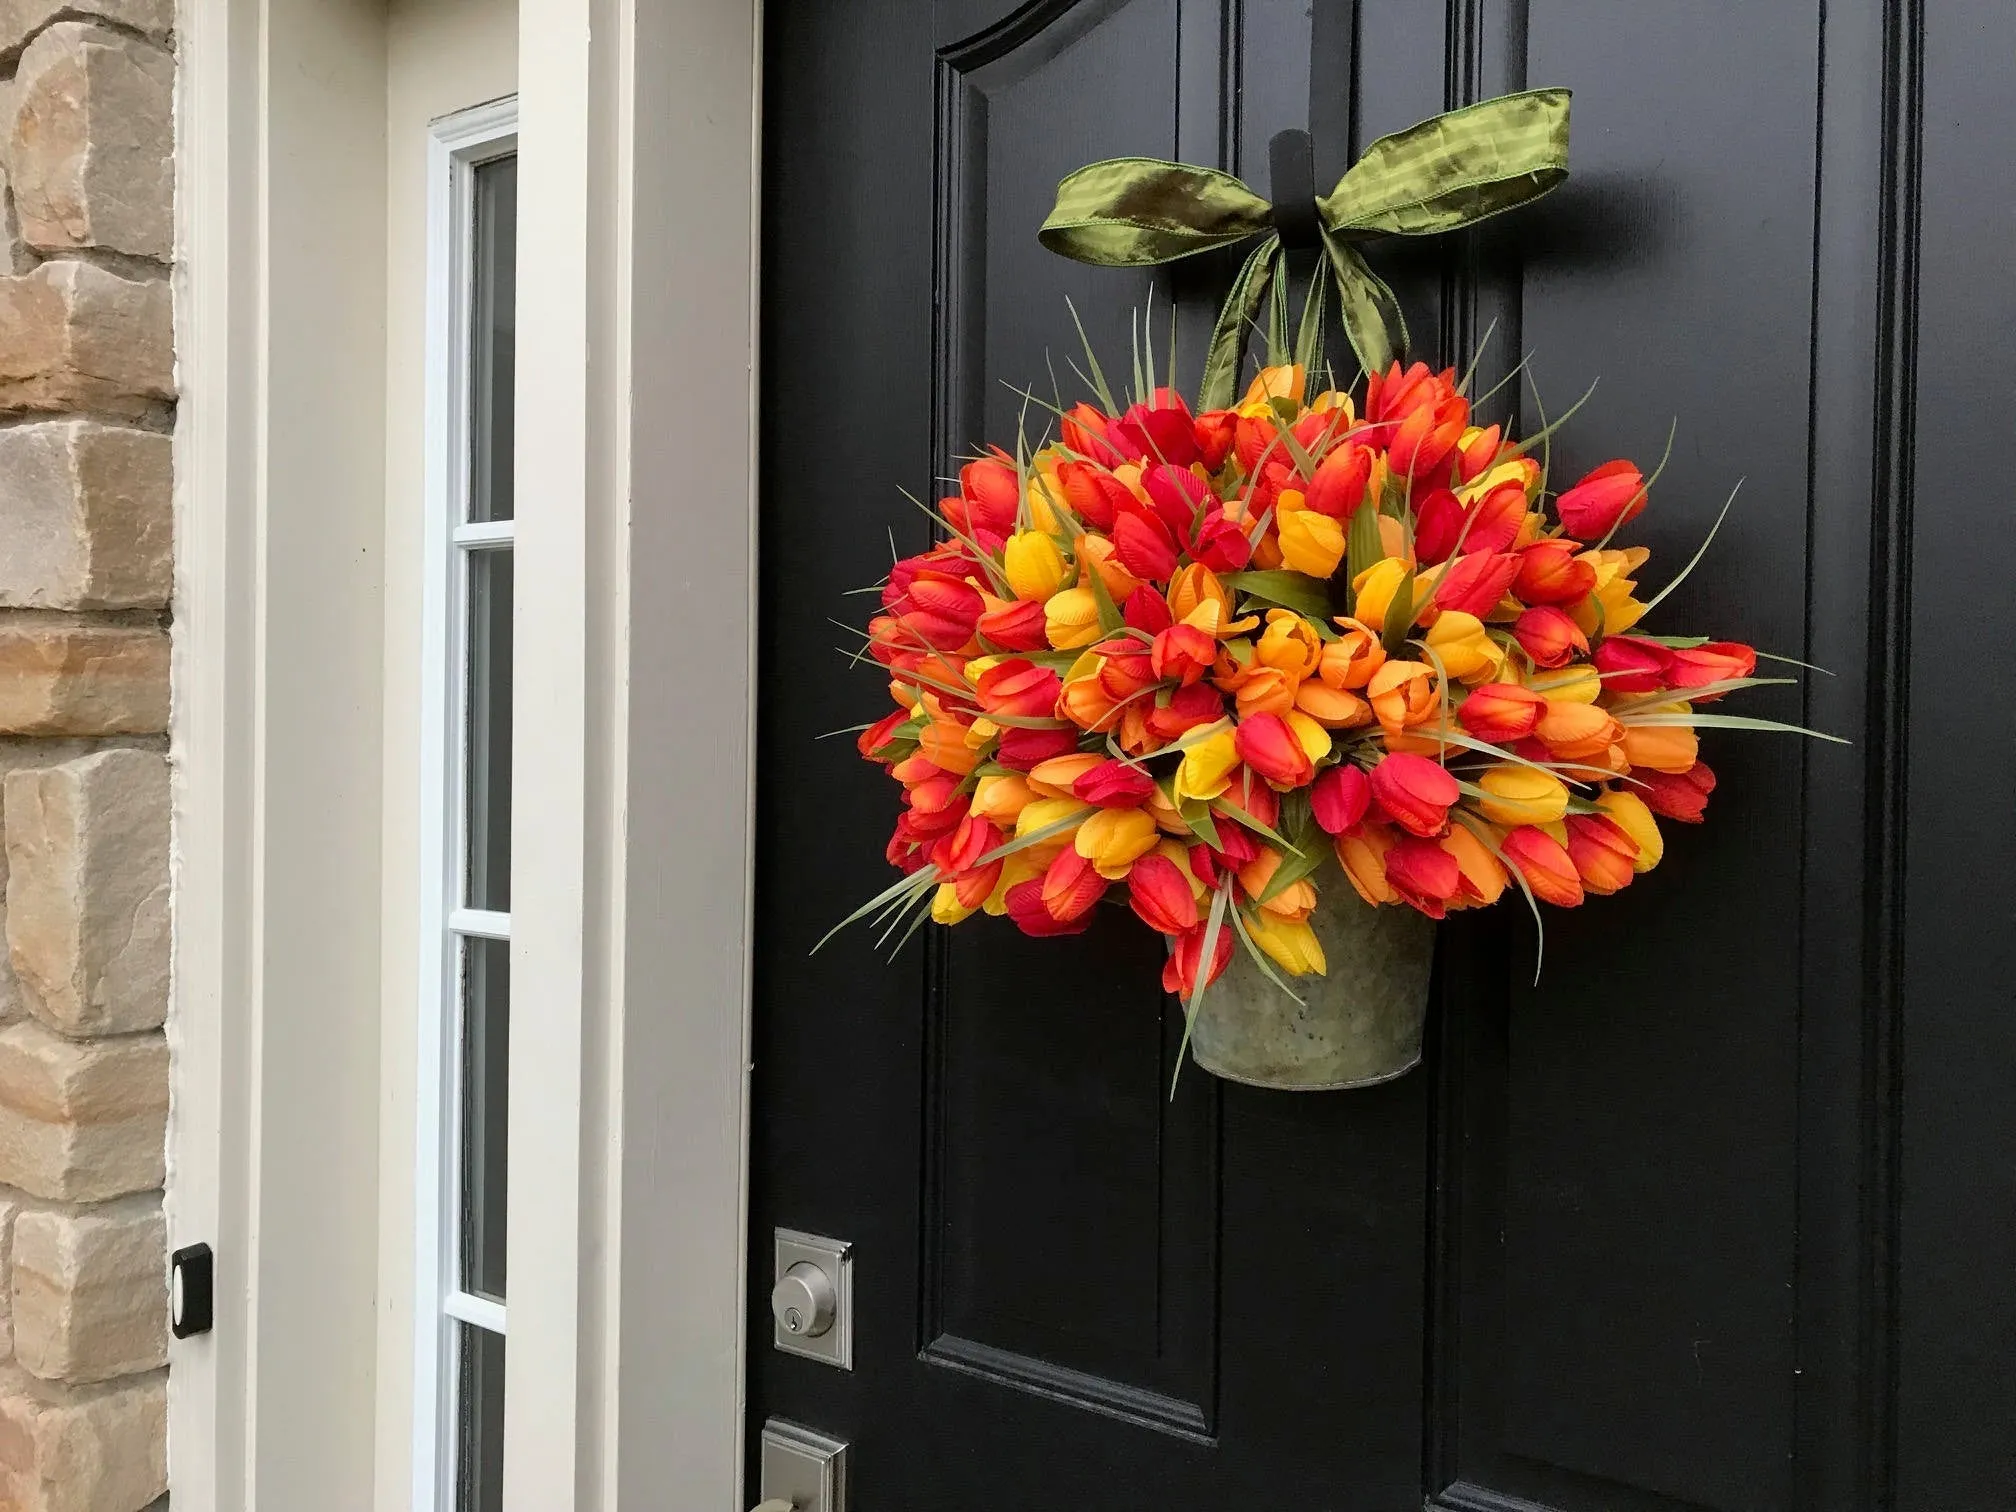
(87, 405)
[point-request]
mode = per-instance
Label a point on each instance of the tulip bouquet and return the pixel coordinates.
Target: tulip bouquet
(1180, 661)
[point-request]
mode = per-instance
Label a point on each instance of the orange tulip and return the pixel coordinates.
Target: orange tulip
(1551, 573)
(1350, 660)
(1501, 712)
(1088, 705)
(1195, 586)
(1549, 636)
(1339, 485)
(1362, 854)
(1289, 643)
(1576, 731)
(1664, 748)
(1056, 777)
(1263, 690)
(1332, 708)
(1002, 796)
(1295, 901)
(1071, 885)
(1484, 878)
(1544, 862)
(1183, 652)
(1019, 688)
(1402, 693)
(1604, 855)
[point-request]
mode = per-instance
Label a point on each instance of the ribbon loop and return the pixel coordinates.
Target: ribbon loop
(1450, 171)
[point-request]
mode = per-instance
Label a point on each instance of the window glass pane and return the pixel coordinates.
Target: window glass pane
(489, 774)
(486, 1059)
(492, 332)
(479, 1422)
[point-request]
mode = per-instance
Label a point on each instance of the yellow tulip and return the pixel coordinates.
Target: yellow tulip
(1311, 543)
(1033, 565)
(1016, 868)
(946, 907)
(1206, 768)
(1071, 618)
(1460, 641)
(1309, 734)
(1610, 607)
(1375, 587)
(1041, 813)
(1580, 683)
(1629, 813)
(1289, 644)
(1114, 839)
(1286, 383)
(1001, 796)
(1291, 942)
(1522, 795)
(1047, 503)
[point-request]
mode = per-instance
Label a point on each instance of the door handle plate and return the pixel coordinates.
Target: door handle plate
(803, 1468)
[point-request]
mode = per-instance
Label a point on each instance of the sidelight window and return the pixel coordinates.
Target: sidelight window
(465, 997)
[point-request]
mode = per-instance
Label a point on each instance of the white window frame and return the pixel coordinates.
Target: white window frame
(458, 144)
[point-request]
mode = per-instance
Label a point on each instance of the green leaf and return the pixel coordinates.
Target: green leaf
(1690, 695)
(1654, 602)
(1400, 615)
(1109, 612)
(1197, 814)
(915, 882)
(1291, 590)
(1092, 360)
(1208, 955)
(1735, 722)
(1483, 834)
(1240, 817)
(1035, 837)
(1362, 546)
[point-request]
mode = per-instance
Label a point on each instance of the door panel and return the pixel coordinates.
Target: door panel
(1627, 1242)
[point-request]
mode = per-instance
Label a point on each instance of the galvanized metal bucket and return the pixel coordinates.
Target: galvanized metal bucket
(1357, 1025)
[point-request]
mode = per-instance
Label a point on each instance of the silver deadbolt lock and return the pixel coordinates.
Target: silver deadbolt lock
(802, 1301)
(812, 1298)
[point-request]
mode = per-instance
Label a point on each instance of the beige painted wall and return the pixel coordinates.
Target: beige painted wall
(441, 56)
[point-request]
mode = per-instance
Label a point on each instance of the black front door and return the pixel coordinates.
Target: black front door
(1638, 1238)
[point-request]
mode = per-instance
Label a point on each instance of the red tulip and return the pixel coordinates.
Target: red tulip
(1024, 749)
(1176, 494)
(1091, 492)
(1718, 661)
(1020, 689)
(1603, 500)
(1024, 904)
(1421, 446)
(1496, 519)
(1019, 627)
(941, 611)
(1164, 433)
(1682, 796)
(1115, 784)
(1549, 636)
(1221, 544)
(1423, 874)
(960, 851)
(1475, 582)
(1160, 895)
(1545, 864)
(1186, 956)
(880, 734)
(1236, 846)
(1551, 572)
(976, 886)
(1501, 712)
(1478, 453)
(1631, 665)
(1188, 709)
(991, 495)
(1146, 610)
(1071, 886)
(1084, 430)
(1249, 794)
(1340, 797)
(1338, 487)
(1184, 652)
(1601, 852)
(1267, 745)
(1214, 430)
(1143, 546)
(1438, 520)
(1415, 793)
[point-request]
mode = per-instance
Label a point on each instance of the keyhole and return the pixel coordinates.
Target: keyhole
(794, 1320)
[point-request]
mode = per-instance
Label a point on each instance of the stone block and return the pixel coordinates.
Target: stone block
(83, 1449)
(90, 142)
(75, 336)
(90, 1291)
(86, 513)
(81, 1121)
(59, 678)
(87, 891)
(20, 20)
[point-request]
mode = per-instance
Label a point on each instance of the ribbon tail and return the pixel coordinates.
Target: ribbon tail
(1309, 335)
(1367, 307)
(1228, 337)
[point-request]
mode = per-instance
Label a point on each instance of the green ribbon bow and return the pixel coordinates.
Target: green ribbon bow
(1450, 171)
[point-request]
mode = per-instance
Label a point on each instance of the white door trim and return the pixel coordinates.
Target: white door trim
(639, 170)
